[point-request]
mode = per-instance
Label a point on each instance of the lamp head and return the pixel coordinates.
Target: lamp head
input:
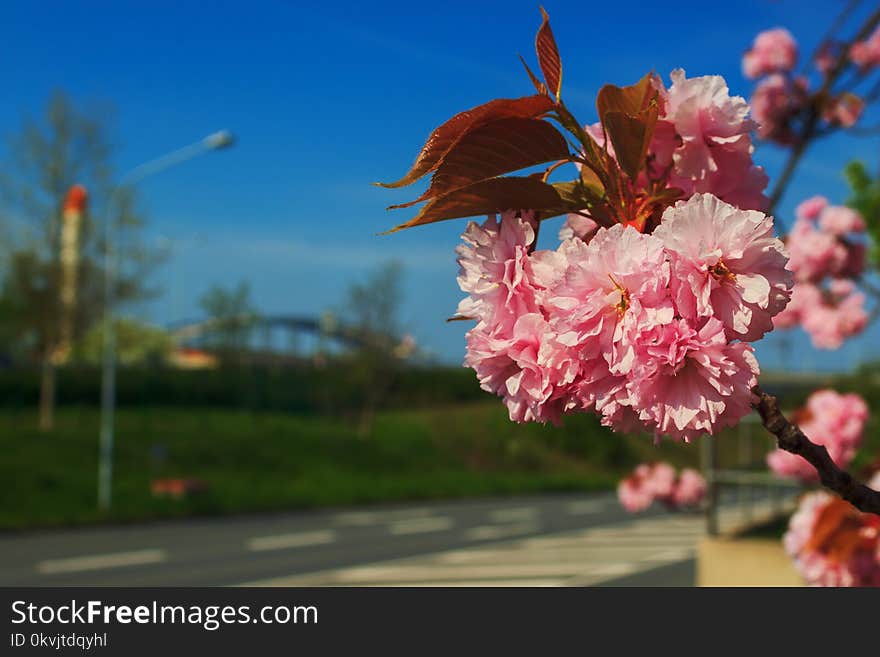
(220, 139)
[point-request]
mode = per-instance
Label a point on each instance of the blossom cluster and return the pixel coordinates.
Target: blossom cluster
(834, 420)
(832, 543)
(781, 98)
(827, 250)
(649, 331)
(660, 482)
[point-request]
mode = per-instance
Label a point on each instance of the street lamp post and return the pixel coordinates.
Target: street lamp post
(215, 141)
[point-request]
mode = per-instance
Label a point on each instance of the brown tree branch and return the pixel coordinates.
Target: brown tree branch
(790, 438)
(827, 40)
(811, 121)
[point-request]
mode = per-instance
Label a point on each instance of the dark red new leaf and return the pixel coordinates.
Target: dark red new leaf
(487, 197)
(442, 139)
(540, 87)
(629, 115)
(837, 530)
(628, 100)
(548, 56)
(631, 136)
(494, 149)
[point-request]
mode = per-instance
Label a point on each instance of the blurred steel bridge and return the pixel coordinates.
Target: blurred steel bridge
(325, 330)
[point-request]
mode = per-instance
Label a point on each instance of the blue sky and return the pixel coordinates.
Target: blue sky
(328, 97)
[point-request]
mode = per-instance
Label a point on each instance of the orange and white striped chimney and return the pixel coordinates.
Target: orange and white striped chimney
(71, 225)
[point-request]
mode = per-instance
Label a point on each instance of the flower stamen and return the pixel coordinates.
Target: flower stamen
(622, 305)
(721, 273)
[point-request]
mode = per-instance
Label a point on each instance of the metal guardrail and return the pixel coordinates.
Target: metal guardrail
(749, 479)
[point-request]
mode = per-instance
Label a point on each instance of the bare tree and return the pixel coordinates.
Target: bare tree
(232, 315)
(372, 310)
(67, 145)
(373, 306)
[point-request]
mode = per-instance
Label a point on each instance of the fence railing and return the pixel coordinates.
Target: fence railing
(737, 476)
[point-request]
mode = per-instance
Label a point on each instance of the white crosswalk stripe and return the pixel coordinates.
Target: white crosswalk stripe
(583, 557)
(420, 525)
(101, 561)
(294, 540)
(572, 558)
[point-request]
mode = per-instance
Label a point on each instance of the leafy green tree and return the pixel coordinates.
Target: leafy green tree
(137, 343)
(866, 199)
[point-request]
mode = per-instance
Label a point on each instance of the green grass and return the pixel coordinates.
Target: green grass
(268, 461)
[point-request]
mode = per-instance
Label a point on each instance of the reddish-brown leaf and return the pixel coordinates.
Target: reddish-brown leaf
(629, 115)
(836, 531)
(631, 137)
(629, 100)
(442, 139)
(494, 149)
(548, 56)
(487, 197)
(540, 87)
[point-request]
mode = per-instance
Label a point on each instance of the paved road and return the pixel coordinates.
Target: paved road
(567, 539)
(638, 551)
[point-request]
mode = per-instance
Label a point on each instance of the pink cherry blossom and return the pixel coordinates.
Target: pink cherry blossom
(839, 220)
(726, 264)
(843, 552)
(494, 270)
(738, 180)
(712, 149)
(811, 208)
(597, 132)
(648, 482)
(790, 466)
(844, 110)
(659, 481)
(773, 50)
(633, 493)
(839, 315)
(528, 369)
(687, 382)
(611, 287)
(577, 225)
(866, 54)
(803, 295)
(844, 415)
(690, 489)
(606, 393)
(830, 419)
(775, 101)
(800, 526)
(814, 253)
(824, 245)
